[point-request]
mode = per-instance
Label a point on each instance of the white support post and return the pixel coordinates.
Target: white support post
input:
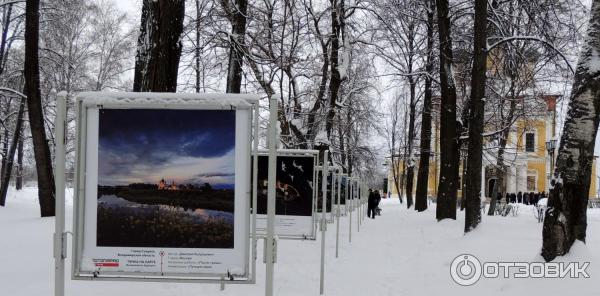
(359, 206)
(333, 193)
(60, 243)
(316, 218)
(337, 226)
(362, 203)
(350, 202)
(323, 219)
(362, 208)
(273, 109)
(254, 192)
(358, 202)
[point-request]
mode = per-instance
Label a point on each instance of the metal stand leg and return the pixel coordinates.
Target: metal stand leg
(323, 220)
(337, 227)
(271, 195)
(59, 221)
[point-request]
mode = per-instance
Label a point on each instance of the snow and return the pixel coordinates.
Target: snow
(543, 202)
(344, 58)
(399, 253)
(223, 100)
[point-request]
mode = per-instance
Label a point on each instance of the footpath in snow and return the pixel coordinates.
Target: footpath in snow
(399, 253)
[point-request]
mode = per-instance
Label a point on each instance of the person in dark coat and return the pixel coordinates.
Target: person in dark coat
(372, 204)
(531, 196)
(520, 197)
(378, 198)
(507, 198)
(513, 198)
(526, 198)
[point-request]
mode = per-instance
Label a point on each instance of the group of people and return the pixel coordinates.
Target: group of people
(373, 203)
(528, 198)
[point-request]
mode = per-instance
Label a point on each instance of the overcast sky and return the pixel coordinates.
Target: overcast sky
(128, 5)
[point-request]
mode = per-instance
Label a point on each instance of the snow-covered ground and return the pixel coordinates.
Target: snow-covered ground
(399, 253)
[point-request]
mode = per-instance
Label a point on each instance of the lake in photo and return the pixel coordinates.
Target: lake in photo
(166, 178)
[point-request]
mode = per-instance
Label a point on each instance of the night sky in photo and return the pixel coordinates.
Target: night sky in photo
(185, 146)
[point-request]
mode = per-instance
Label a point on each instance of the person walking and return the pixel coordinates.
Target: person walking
(531, 197)
(520, 197)
(372, 204)
(378, 198)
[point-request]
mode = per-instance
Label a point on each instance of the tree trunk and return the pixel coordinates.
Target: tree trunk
(236, 47)
(11, 154)
(5, 25)
(159, 46)
(41, 151)
(423, 173)
(5, 140)
(446, 199)
(566, 216)
(337, 27)
(197, 49)
(476, 104)
(506, 122)
(410, 170)
(19, 173)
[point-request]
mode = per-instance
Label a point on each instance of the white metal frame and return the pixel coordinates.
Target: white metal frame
(261, 232)
(146, 101)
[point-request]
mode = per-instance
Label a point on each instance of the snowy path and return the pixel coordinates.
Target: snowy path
(399, 253)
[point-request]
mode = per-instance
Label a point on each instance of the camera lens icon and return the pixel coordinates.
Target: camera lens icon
(465, 270)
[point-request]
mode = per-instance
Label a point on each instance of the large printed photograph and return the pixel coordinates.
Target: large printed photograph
(294, 185)
(166, 178)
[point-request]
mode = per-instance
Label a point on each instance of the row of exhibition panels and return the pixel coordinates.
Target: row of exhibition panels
(309, 195)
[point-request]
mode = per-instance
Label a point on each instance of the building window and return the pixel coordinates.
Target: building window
(530, 142)
(531, 183)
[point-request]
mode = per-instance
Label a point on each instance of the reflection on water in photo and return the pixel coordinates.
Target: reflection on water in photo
(200, 215)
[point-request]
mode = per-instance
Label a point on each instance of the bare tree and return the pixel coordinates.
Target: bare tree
(11, 153)
(447, 189)
(425, 146)
(236, 12)
(566, 216)
(112, 46)
(392, 135)
(476, 105)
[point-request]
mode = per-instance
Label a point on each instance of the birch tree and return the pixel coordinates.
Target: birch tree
(566, 217)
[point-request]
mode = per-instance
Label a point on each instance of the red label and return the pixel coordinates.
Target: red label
(107, 264)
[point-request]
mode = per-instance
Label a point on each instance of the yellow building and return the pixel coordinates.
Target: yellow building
(527, 162)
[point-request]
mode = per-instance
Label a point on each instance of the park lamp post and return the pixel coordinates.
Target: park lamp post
(551, 146)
